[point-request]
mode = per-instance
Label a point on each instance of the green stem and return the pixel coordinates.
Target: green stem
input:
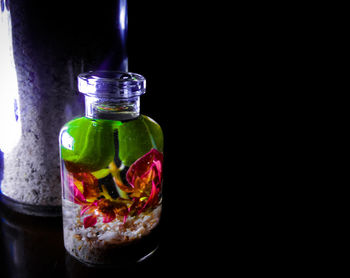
(115, 171)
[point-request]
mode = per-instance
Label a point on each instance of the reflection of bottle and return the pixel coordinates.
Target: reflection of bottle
(132, 264)
(32, 246)
(44, 45)
(111, 172)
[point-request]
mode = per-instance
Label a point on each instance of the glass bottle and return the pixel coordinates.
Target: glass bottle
(111, 170)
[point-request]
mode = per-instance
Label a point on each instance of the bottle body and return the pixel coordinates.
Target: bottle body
(111, 175)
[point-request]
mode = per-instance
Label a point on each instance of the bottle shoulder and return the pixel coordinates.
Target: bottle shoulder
(153, 127)
(151, 120)
(84, 120)
(143, 123)
(75, 122)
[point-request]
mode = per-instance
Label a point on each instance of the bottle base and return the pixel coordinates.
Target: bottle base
(123, 261)
(115, 255)
(34, 210)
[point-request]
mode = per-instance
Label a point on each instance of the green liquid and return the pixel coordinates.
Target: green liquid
(112, 169)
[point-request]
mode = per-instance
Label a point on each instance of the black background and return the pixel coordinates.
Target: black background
(169, 43)
(166, 45)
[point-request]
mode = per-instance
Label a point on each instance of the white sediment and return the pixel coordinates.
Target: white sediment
(90, 244)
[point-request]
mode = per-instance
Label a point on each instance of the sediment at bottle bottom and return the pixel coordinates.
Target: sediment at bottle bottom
(105, 243)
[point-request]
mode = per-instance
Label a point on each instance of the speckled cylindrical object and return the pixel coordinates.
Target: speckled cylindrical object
(51, 46)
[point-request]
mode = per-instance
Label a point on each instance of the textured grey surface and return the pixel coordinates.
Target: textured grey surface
(50, 49)
(45, 102)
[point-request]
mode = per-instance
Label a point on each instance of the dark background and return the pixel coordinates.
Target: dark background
(167, 46)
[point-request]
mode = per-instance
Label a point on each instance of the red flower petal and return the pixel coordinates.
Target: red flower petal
(125, 217)
(142, 166)
(78, 196)
(90, 221)
(74, 193)
(152, 197)
(89, 208)
(90, 184)
(108, 217)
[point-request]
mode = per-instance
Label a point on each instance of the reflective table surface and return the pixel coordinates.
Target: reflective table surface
(33, 247)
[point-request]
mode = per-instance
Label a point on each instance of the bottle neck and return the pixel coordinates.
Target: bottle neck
(107, 109)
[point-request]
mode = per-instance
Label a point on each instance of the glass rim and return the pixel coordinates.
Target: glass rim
(113, 84)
